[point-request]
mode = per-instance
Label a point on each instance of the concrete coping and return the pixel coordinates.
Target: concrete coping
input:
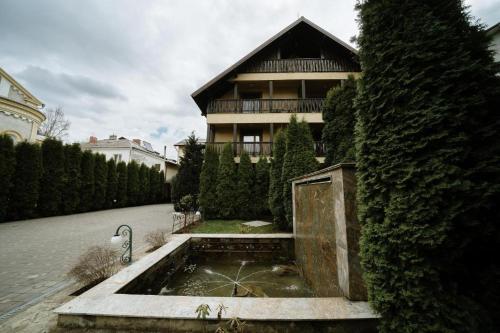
(103, 300)
(325, 170)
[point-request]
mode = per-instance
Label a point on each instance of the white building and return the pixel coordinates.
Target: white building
(123, 149)
(20, 115)
(494, 32)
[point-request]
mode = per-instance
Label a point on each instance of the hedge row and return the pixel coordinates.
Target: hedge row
(54, 179)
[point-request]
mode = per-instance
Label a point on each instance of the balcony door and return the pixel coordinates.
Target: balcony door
(250, 102)
(251, 141)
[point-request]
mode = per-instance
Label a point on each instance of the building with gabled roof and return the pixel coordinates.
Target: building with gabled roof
(289, 73)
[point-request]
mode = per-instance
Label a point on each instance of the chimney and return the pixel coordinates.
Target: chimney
(112, 137)
(138, 141)
(93, 139)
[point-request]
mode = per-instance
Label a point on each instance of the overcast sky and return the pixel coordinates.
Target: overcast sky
(129, 67)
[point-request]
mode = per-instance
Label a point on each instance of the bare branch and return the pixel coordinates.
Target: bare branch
(56, 125)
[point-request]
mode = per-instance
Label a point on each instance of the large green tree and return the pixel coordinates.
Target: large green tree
(261, 188)
(339, 118)
(7, 169)
(72, 178)
(275, 182)
(143, 184)
(299, 159)
(133, 184)
(245, 200)
(121, 189)
(428, 159)
(154, 185)
(26, 181)
(111, 184)
(208, 183)
(52, 181)
(226, 183)
(188, 175)
(87, 185)
(100, 181)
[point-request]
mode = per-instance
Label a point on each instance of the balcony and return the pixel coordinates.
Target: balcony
(259, 148)
(304, 65)
(305, 105)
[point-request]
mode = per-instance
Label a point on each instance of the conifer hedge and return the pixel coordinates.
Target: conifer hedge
(7, 169)
(133, 183)
(208, 183)
(245, 199)
(100, 181)
(111, 184)
(143, 184)
(121, 188)
(154, 185)
(339, 117)
(226, 184)
(275, 182)
(261, 188)
(51, 183)
(72, 178)
(428, 161)
(88, 182)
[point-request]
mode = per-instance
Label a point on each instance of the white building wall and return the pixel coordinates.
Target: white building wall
(10, 123)
(149, 160)
(111, 152)
(495, 46)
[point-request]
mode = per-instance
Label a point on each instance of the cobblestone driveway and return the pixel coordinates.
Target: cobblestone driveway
(35, 255)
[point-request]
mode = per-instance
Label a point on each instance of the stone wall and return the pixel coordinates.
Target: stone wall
(327, 232)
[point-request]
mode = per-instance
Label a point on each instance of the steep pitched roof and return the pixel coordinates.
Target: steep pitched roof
(197, 95)
(29, 95)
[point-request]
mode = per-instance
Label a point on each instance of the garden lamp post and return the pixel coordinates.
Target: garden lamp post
(126, 230)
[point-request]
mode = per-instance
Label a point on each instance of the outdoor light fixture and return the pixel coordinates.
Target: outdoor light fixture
(127, 244)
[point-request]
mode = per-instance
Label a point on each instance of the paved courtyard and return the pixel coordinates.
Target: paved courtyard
(35, 255)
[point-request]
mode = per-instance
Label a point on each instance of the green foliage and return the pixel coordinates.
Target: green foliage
(188, 175)
(261, 188)
(100, 181)
(299, 159)
(203, 311)
(133, 183)
(121, 188)
(187, 204)
(226, 183)
(428, 160)
(7, 169)
(111, 184)
(154, 185)
(208, 183)
(26, 181)
(275, 181)
(51, 182)
(87, 185)
(143, 184)
(339, 118)
(245, 200)
(163, 194)
(71, 181)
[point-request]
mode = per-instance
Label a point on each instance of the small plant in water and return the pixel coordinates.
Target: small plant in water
(236, 325)
(220, 308)
(203, 311)
(190, 268)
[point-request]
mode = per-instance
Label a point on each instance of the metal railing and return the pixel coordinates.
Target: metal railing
(259, 148)
(301, 65)
(304, 105)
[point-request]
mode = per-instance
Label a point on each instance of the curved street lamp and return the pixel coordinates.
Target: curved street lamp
(126, 257)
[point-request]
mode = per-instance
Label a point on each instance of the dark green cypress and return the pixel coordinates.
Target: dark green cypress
(26, 181)
(121, 189)
(163, 196)
(133, 185)
(7, 169)
(245, 200)
(428, 159)
(339, 118)
(275, 182)
(100, 181)
(111, 184)
(208, 183)
(87, 185)
(299, 159)
(72, 178)
(154, 184)
(52, 180)
(188, 175)
(143, 184)
(226, 183)
(261, 189)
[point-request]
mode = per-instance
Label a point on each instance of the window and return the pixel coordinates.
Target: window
(251, 142)
(117, 157)
(251, 102)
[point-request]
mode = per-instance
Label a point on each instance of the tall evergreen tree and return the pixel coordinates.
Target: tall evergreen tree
(121, 189)
(133, 184)
(52, 181)
(111, 184)
(163, 196)
(7, 169)
(339, 118)
(261, 189)
(428, 159)
(245, 200)
(87, 185)
(275, 182)
(226, 183)
(72, 178)
(300, 159)
(26, 182)
(100, 181)
(143, 184)
(154, 185)
(188, 175)
(208, 183)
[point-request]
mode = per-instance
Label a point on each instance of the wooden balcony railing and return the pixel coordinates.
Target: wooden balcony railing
(301, 65)
(259, 148)
(304, 105)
